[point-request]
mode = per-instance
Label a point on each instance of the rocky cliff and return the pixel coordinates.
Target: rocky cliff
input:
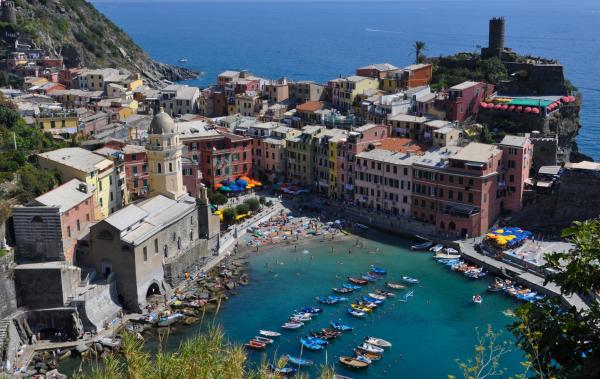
(76, 30)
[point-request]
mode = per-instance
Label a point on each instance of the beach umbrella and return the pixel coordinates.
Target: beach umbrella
(241, 183)
(226, 182)
(498, 106)
(511, 108)
(225, 189)
(527, 109)
(247, 179)
(504, 107)
(483, 104)
(535, 110)
(572, 99)
(218, 185)
(565, 99)
(518, 109)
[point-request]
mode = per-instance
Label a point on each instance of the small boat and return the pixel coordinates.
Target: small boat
(311, 345)
(292, 325)
(367, 304)
(264, 340)
(327, 300)
(371, 277)
(357, 307)
(282, 372)
(422, 246)
(108, 342)
(377, 342)
(300, 361)
(378, 270)
(170, 319)
(299, 319)
(338, 298)
(183, 60)
(343, 290)
(361, 226)
(320, 341)
(356, 313)
(360, 282)
(268, 333)
(351, 286)
(302, 317)
(370, 348)
(369, 299)
(385, 293)
(376, 296)
(372, 356)
(339, 326)
(254, 345)
(477, 299)
(396, 286)
(443, 255)
(451, 250)
(437, 248)
(408, 279)
(331, 332)
(353, 362)
(312, 310)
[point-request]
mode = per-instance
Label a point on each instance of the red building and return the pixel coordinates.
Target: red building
(221, 156)
(135, 164)
(517, 158)
(462, 100)
(456, 189)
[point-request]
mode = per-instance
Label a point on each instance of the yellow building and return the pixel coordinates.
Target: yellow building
(94, 169)
(134, 84)
(59, 122)
(345, 90)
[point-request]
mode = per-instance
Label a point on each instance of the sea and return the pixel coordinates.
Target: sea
(321, 40)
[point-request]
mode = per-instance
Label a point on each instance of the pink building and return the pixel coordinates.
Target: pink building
(359, 140)
(516, 163)
(462, 100)
(192, 176)
(47, 228)
(135, 163)
(383, 180)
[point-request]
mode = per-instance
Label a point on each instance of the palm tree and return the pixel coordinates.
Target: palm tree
(419, 46)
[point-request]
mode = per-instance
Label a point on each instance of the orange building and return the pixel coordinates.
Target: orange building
(418, 75)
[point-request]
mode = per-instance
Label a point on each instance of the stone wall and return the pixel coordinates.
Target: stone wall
(98, 304)
(38, 234)
(8, 301)
(578, 196)
(190, 261)
(44, 286)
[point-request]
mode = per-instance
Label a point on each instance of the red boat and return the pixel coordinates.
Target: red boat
(255, 345)
(360, 282)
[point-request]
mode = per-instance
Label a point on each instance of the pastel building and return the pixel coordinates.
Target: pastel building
(136, 170)
(93, 169)
(47, 228)
(383, 180)
(300, 156)
(345, 90)
(517, 159)
(462, 100)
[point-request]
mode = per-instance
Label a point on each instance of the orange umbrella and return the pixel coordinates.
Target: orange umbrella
(218, 185)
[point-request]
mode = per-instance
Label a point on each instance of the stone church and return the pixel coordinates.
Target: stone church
(148, 247)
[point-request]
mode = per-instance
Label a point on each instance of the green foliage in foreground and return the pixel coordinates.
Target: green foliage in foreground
(206, 356)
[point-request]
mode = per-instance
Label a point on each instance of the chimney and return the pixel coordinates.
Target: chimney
(83, 188)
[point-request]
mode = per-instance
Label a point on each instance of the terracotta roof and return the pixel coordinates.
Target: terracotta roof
(401, 145)
(309, 106)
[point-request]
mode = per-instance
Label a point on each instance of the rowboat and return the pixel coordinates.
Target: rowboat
(327, 301)
(351, 286)
(343, 290)
(385, 293)
(443, 255)
(338, 298)
(369, 299)
(360, 282)
(376, 296)
(422, 246)
(299, 361)
(377, 342)
(311, 310)
(170, 319)
(292, 325)
(282, 372)
(268, 333)
(254, 345)
(371, 277)
(302, 316)
(356, 313)
(317, 340)
(378, 270)
(311, 345)
(372, 356)
(357, 307)
(367, 304)
(353, 362)
(370, 348)
(342, 327)
(396, 286)
(264, 340)
(477, 299)
(408, 279)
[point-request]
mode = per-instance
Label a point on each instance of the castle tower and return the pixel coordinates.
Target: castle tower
(496, 34)
(164, 158)
(9, 13)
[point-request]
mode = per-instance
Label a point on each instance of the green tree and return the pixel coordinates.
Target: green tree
(486, 136)
(565, 342)
(493, 70)
(242, 209)
(252, 204)
(34, 182)
(229, 215)
(217, 198)
(419, 47)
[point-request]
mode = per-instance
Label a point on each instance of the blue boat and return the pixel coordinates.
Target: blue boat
(342, 327)
(351, 286)
(356, 313)
(378, 270)
(317, 340)
(311, 310)
(327, 300)
(282, 372)
(300, 361)
(408, 279)
(338, 298)
(370, 278)
(369, 299)
(311, 345)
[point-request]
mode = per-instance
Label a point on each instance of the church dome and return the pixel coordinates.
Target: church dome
(162, 123)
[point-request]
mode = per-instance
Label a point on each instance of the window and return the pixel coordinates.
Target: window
(78, 226)
(460, 196)
(166, 251)
(156, 246)
(159, 168)
(470, 198)
(145, 254)
(69, 231)
(511, 178)
(135, 169)
(133, 157)
(170, 167)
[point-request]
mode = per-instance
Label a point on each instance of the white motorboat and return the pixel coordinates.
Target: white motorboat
(292, 325)
(377, 297)
(378, 342)
(264, 340)
(268, 333)
(370, 348)
(443, 255)
(477, 299)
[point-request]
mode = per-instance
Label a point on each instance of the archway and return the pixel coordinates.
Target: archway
(153, 290)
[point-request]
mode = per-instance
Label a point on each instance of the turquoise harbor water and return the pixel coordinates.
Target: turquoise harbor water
(319, 40)
(436, 325)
